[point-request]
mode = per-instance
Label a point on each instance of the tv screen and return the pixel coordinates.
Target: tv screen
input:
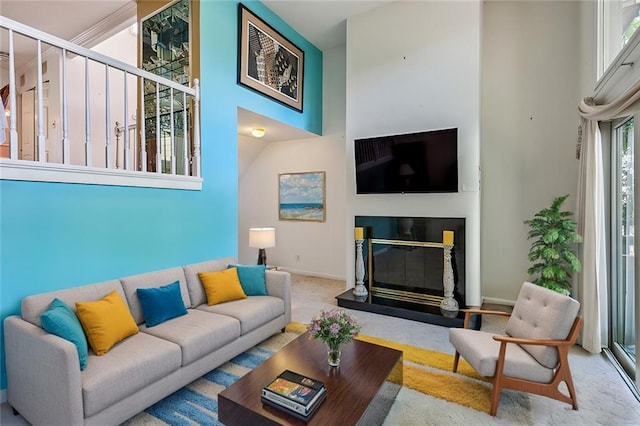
(417, 162)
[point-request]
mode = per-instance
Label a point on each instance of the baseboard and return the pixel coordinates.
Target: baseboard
(312, 274)
(498, 301)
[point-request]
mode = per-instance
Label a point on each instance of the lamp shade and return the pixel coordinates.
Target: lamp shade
(262, 237)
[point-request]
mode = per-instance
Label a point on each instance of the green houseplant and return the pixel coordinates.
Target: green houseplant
(553, 250)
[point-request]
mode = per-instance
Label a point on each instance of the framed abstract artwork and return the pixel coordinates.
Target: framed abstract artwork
(269, 63)
(301, 196)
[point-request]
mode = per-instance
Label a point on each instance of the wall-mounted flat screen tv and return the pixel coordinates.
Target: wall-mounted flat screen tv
(411, 163)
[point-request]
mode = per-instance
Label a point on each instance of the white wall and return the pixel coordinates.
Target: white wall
(414, 66)
(319, 245)
(424, 65)
(531, 84)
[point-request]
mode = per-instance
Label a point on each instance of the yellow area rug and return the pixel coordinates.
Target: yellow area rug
(466, 388)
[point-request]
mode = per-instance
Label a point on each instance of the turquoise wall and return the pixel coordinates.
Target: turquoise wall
(55, 236)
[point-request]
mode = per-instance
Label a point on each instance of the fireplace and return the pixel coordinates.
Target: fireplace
(404, 268)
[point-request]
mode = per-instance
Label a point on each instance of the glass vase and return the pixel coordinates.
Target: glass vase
(333, 354)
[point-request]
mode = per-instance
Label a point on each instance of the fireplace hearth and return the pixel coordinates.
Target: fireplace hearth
(404, 269)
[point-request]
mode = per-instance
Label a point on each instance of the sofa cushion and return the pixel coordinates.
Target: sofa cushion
(152, 279)
(252, 279)
(481, 351)
(106, 322)
(540, 313)
(161, 304)
(198, 333)
(252, 312)
(33, 306)
(132, 365)
(196, 291)
(60, 320)
(222, 286)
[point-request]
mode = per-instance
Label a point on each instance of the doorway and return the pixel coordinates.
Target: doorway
(28, 137)
(623, 284)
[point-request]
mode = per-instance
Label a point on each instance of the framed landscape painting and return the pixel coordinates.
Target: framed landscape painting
(301, 196)
(269, 63)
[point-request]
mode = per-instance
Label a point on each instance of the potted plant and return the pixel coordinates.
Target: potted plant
(553, 251)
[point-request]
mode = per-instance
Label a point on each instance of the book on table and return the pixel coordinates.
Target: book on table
(297, 394)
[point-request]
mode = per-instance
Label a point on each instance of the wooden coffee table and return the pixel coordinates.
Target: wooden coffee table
(360, 391)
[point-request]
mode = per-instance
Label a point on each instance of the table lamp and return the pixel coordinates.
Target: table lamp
(262, 238)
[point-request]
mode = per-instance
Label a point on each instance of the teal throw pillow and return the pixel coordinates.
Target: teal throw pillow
(59, 319)
(160, 304)
(252, 279)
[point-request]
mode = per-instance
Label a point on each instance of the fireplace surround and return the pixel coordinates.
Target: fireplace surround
(404, 269)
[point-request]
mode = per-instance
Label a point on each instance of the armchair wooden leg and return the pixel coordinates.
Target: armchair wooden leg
(498, 379)
(563, 374)
(495, 400)
(572, 393)
(456, 358)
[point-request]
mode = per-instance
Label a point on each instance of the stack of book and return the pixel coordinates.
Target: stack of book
(294, 394)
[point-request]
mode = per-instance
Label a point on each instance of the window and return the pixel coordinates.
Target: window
(623, 289)
(617, 22)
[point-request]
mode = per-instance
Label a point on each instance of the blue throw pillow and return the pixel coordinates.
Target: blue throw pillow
(59, 319)
(252, 279)
(160, 304)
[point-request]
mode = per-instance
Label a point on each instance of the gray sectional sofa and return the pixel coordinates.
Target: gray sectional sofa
(45, 383)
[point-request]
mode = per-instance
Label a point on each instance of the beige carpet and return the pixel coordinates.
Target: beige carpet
(603, 397)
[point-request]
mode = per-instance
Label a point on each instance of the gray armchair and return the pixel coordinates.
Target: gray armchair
(533, 356)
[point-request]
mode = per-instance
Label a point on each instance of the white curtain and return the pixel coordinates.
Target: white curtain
(592, 282)
(590, 214)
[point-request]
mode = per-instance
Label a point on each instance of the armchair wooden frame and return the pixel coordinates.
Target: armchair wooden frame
(562, 371)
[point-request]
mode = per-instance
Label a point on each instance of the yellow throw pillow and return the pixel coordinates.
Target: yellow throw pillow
(222, 286)
(106, 322)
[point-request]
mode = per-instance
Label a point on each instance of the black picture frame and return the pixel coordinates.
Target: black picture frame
(269, 63)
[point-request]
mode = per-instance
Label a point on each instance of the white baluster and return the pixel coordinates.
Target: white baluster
(172, 134)
(127, 143)
(143, 130)
(13, 132)
(158, 147)
(185, 135)
(107, 126)
(88, 153)
(66, 158)
(42, 155)
(196, 127)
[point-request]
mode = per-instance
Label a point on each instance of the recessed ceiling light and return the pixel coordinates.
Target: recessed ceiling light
(257, 132)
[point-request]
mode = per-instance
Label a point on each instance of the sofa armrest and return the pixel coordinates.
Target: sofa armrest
(44, 383)
(279, 285)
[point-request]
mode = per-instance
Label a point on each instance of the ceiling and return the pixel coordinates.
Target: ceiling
(322, 22)
(72, 17)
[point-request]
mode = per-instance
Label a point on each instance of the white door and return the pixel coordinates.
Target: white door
(27, 136)
(28, 143)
